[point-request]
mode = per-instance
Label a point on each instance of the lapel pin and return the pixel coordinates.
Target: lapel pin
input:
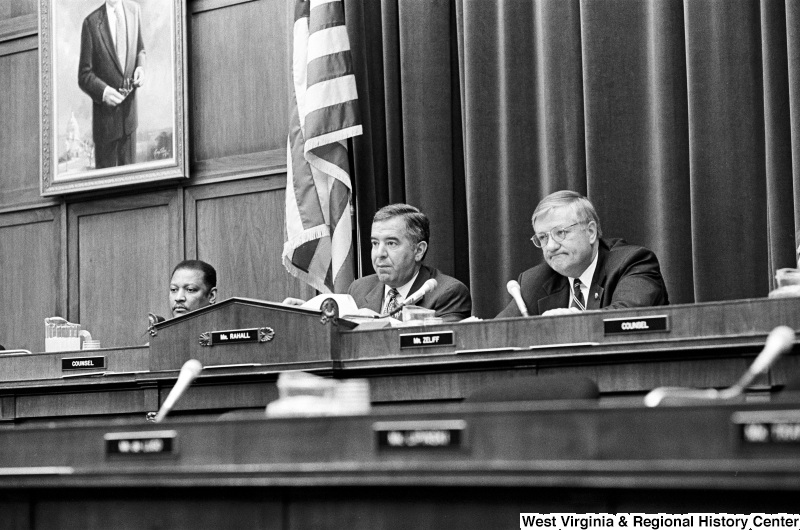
(596, 296)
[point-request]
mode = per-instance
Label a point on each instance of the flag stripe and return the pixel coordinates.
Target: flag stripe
(301, 10)
(326, 15)
(319, 248)
(337, 64)
(317, 3)
(327, 41)
(319, 121)
(303, 186)
(330, 92)
(332, 163)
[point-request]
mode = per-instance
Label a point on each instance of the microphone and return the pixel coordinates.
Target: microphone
(427, 287)
(189, 372)
(779, 341)
(513, 289)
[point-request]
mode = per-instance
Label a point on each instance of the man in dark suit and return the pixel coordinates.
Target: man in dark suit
(400, 234)
(581, 270)
(111, 68)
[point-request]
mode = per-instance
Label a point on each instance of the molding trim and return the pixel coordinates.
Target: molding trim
(20, 45)
(199, 6)
(238, 167)
(18, 27)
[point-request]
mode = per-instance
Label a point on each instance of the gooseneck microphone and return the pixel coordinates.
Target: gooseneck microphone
(427, 287)
(779, 341)
(513, 289)
(189, 372)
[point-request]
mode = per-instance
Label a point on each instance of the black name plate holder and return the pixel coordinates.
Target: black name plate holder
(427, 339)
(82, 363)
(773, 427)
(143, 443)
(641, 324)
(236, 336)
(416, 435)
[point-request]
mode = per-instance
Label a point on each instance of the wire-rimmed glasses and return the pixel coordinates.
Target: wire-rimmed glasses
(558, 234)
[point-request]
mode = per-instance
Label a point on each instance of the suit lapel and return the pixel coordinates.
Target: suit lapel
(133, 31)
(599, 281)
(374, 297)
(557, 293)
(104, 29)
(423, 276)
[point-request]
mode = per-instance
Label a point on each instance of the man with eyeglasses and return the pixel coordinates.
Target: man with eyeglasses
(583, 271)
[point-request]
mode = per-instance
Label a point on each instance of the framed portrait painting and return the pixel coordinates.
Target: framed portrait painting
(113, 101)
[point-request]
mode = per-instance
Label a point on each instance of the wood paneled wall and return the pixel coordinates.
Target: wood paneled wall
(104, 259)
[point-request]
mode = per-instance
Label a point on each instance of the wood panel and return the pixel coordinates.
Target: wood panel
(421, 507)
(84, 403)
(240, 79)
(441, 386)
(19, 115)
(198, 6)
(16, 515)
(225, 397)
(10, 9)
(210, 509)
(238, 228)
(121, 254)
(31, 276)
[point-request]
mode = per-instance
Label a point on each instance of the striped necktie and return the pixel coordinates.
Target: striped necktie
(392, 304)
(576, 300)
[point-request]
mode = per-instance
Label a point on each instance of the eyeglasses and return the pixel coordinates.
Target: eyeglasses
(558, 234)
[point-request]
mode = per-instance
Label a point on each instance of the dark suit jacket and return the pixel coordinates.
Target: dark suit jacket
(451, 299)
(626, 276)
(99, 68)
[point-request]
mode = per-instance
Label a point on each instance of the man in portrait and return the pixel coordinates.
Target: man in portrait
(111, 68)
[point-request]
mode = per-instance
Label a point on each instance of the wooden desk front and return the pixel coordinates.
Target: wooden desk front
(708, 345)
(335, 473)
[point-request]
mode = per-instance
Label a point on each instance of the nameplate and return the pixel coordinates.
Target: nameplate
(236, 336)
(648, 324)
(423, 340)
(768, 427)
(426, 435)
(145, 443)
(82, 363)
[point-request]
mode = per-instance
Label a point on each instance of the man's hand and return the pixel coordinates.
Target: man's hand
(111, 97)
(138, 76)
(293, 301)
(560, 311)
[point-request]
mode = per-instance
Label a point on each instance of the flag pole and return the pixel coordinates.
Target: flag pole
(356, 216)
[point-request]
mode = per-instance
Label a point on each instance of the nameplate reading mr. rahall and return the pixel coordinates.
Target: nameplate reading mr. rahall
(144, 443)
(82, 363)
(234, 336)
(646, 324)
(443, 434)
(423, 340)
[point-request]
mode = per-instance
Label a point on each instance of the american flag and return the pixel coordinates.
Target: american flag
(319, 248)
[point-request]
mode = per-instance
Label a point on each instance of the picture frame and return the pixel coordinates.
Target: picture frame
(105, 124)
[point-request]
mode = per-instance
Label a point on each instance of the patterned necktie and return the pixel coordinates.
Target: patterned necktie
(577, 296)
(122, 36)
(392, 304)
